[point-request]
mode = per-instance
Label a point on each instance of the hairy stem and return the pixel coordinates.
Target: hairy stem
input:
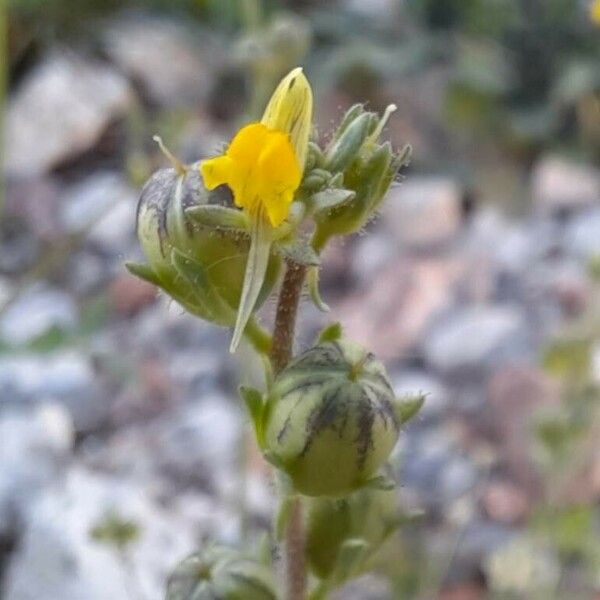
(285, 318)
(281, 353)
(294, 553)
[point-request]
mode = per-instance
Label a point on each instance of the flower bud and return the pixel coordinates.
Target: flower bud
(364, 166)
(200, 265)
(368, 515)
(221, 573)
(330, 421)
(346, 147)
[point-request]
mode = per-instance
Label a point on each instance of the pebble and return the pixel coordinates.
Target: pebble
(35, 446)
(58, 556)
(164, 57)
(478, 339)
(424, 212)
(60, 110)
(64, 376)
(583, 235)
(104, 206)
(36, 312)
(559, 184)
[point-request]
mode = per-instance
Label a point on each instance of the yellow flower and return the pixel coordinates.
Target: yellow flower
(263, 164)
(595, 12)
(263, 167)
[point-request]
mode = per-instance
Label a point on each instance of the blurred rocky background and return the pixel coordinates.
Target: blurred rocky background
(121, 436)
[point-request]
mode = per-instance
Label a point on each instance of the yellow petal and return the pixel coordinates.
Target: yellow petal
(290, 111)
(216, 171)
(280, 176)
(247, 143)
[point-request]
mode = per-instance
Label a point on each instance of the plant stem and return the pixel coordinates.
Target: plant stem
(285, 318)
(294, 553)
(281, 353)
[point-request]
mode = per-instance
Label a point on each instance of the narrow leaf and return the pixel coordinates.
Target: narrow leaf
(409, 407)
(212, 215)
(144, 272)
(313, 289)
(381, 482)
(256, 268)
(352, 554)
(330, 333)
(254, 403)
(331, 198)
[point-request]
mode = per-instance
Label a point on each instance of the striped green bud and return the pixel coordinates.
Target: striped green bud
(368, 515)
(330, 421)
(198, 257)
(220, 573)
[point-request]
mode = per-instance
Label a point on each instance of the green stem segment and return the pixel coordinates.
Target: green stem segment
(281, 353)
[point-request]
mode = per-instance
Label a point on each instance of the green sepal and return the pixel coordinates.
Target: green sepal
(254, 276)
(143, 272)
(337, 181)
(312, 278)
(204, 293)
(351, 114)
(255, 404)
(213, 215)
(283, 516)
(299, 252)
(404, 156)
(316, 180)
(348, 145)
(381, 482)
(330, 199)
(315, 157)
(353, 553)
(264, 554)
(272, 459)
(407, 408)
(330, 333)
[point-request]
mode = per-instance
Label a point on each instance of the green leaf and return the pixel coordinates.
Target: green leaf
(353, 553)
(313, 289)
(204, 292)
(115, 530)
(212, 215)
(255, 404)
(144, 272)
(331, 198)
(381, 482)
(330, 333)
(408, 407)
(347, 146)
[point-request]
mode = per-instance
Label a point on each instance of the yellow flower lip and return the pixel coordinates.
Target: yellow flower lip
(263, 165)
(262, 170)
